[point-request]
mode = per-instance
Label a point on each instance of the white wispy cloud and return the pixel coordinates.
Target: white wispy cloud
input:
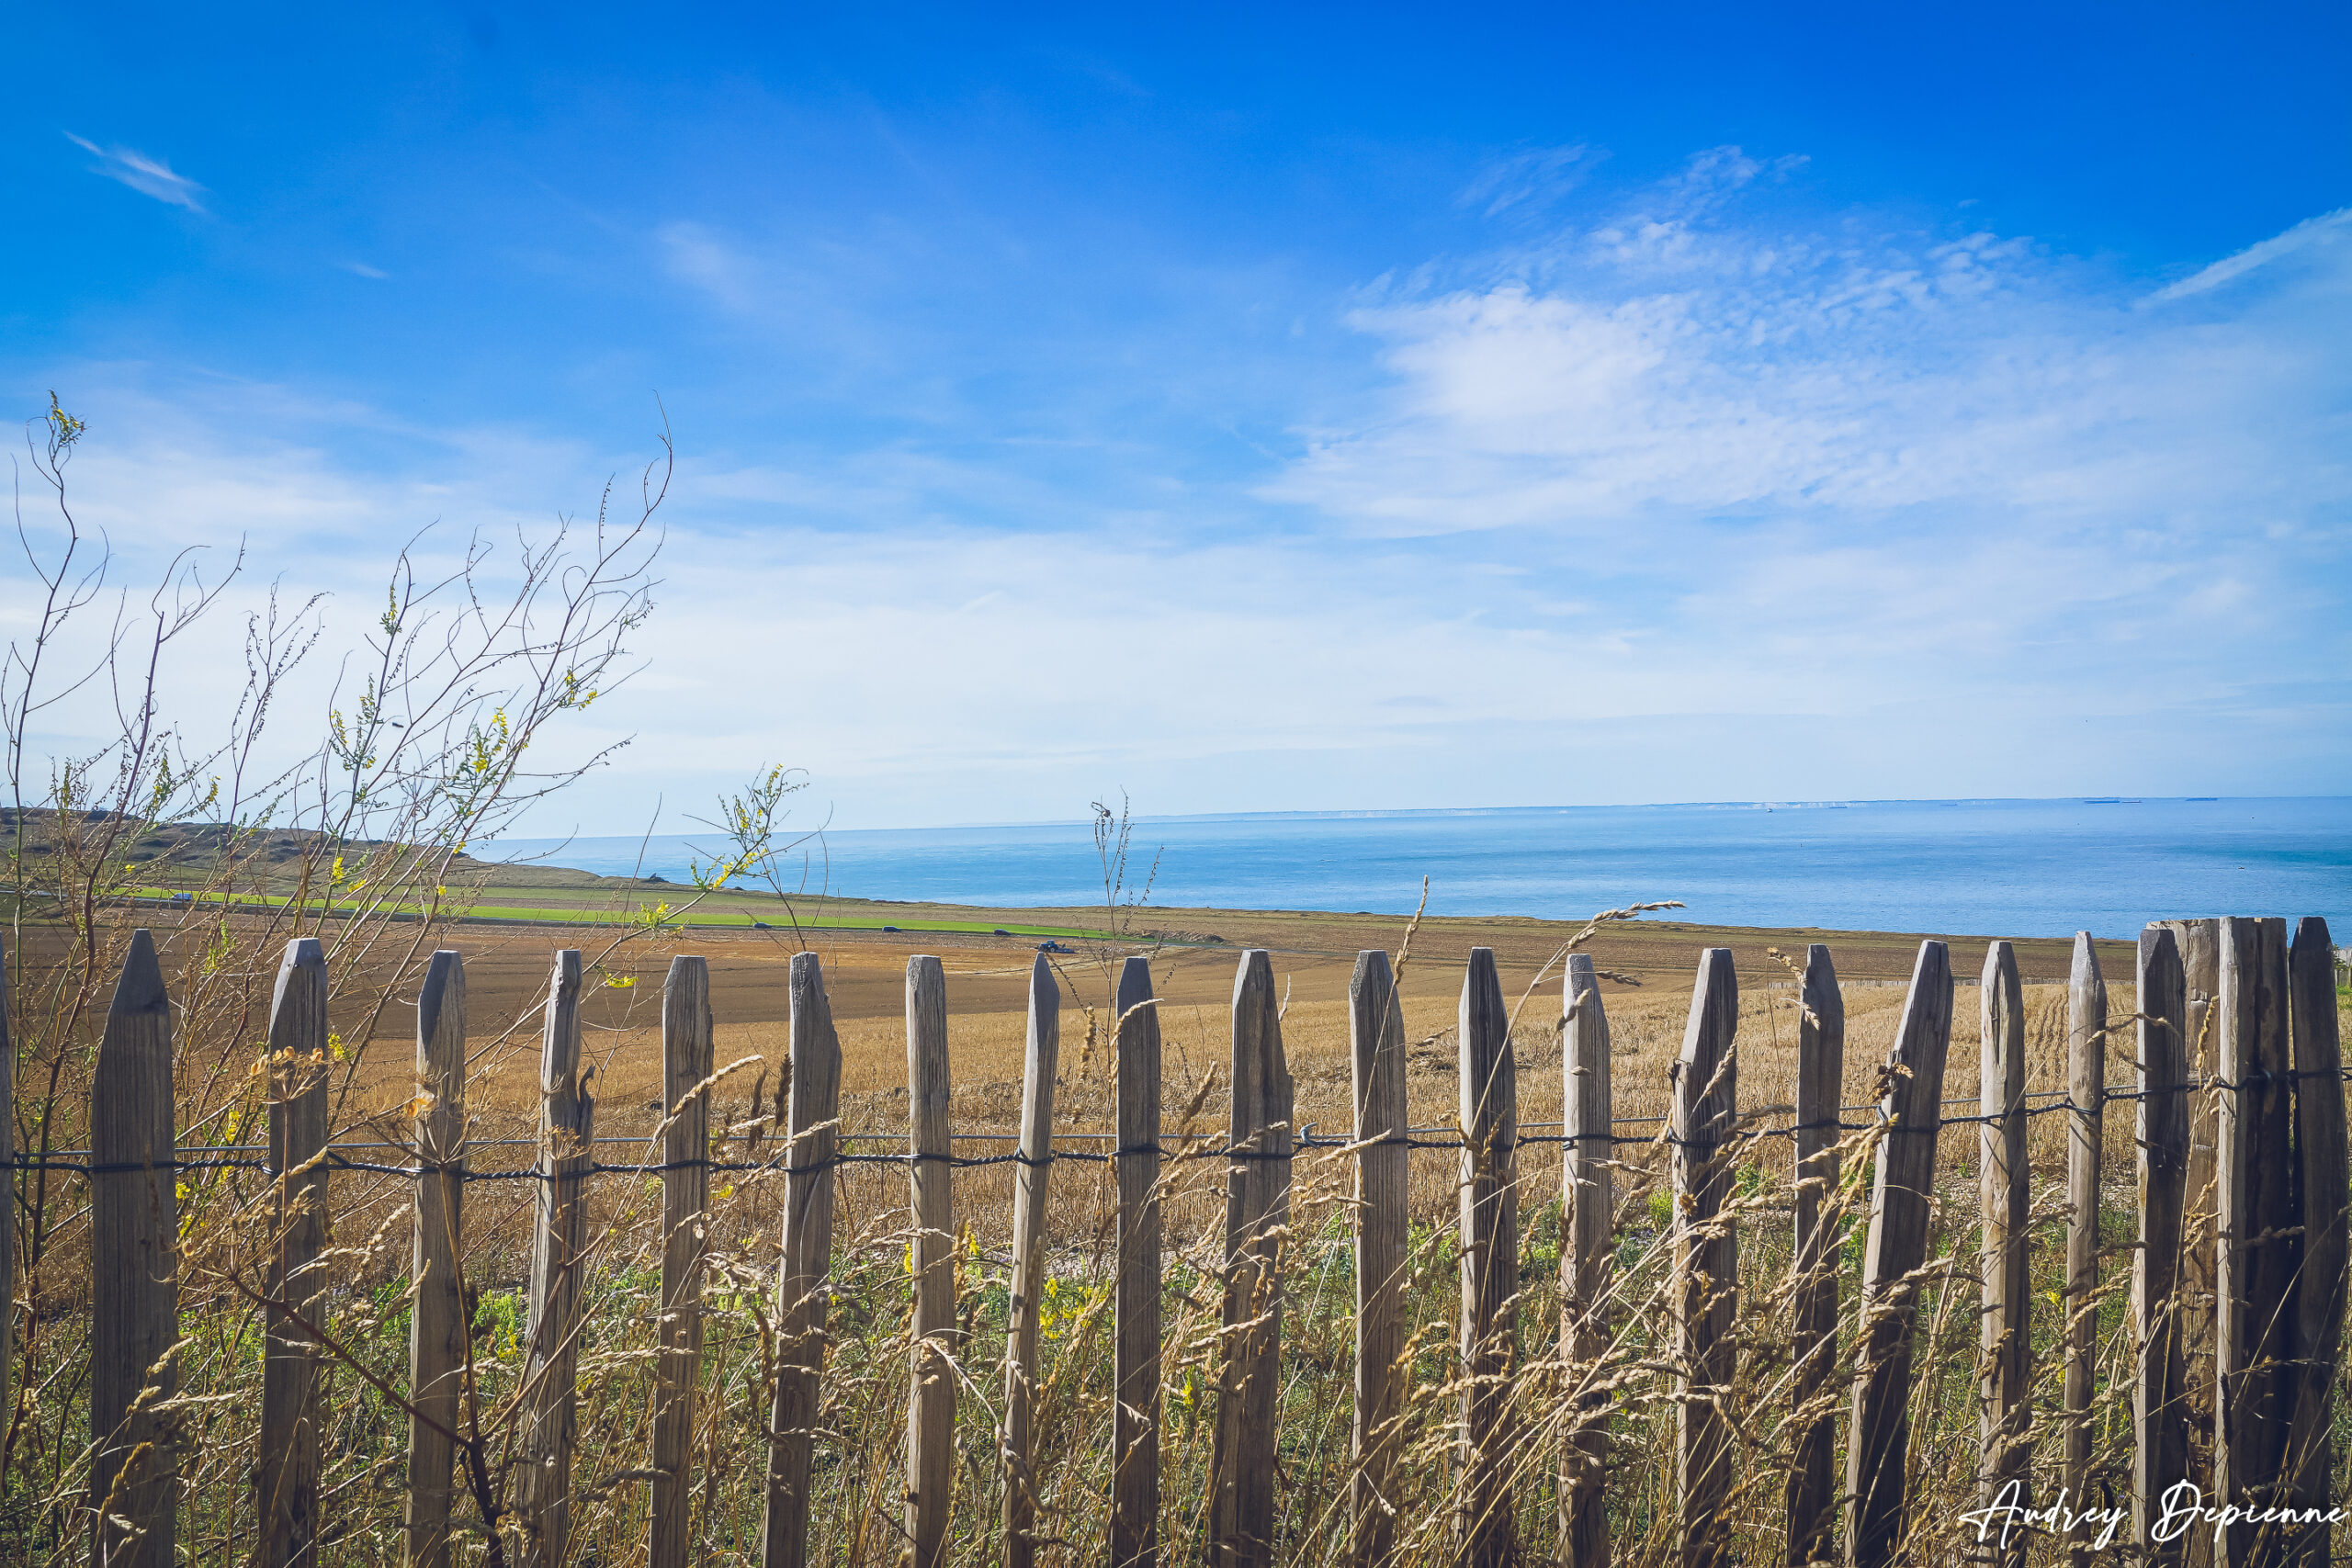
(148, 176)
(1659, 369)
(1532, 178)
(694, 254)
(362, 269)
(2304, 233)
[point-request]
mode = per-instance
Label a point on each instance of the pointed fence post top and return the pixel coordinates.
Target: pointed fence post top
(1136, 1045)
(2001, 970)
(301, 984)
(1135, 986)
(686, 1001)
(560, 1075)
(685, 996)
(926, 994)
(1703, 1075)
(1818, 989)
(140, 988)
(1376, 1051)
(1478, 975)
(444, 987)
(1372, 1006)
(1489, 1087)
(1482, 1019)
(1931, 978)
(1255, 973)
(1262, 1082)
(1916, 1102)
(2085, 971)
(814, 1048)
(1715, 1006)
(1702, 1094)
(130, 1093)
(1585, 1096)
(1579, 990)
(2159, 977)
(927, 1072)
(2086, 1044)
(564, 977)
(1045, 991)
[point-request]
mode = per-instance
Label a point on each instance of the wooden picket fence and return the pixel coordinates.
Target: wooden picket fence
(2262, 1008)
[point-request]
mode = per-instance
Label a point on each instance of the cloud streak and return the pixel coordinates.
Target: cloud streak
(2309, 232)
(1535, 178)
(148, 176)
(1673, 367)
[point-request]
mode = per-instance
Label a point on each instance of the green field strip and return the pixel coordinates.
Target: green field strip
(727, 919)
(723, 919)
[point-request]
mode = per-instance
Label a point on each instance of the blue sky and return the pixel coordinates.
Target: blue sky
(1340, 407)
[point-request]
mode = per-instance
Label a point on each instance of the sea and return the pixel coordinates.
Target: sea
(2014, 868)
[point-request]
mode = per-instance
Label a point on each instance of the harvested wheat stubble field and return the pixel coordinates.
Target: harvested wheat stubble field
(1650, 965)
(1654, 963)
(507, 969)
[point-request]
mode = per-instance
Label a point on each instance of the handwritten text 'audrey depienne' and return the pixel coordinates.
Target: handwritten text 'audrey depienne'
(2181, 1509)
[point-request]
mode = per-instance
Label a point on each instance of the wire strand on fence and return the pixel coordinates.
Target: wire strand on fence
(226, 1156)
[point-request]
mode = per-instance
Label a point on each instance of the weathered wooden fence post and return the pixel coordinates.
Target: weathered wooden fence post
(1588, 1218)
(287, 1479)
(437, 1327)
(134, 1285)
(567, 1126)
(1706, 1258)
(811, 1143)
(2159, 1408)
(1029, 1189)
(1135, 1424)
(930, 1399)
(2003, 1337)
(1490, 1196)
(1821, 1095)
(685, 1202)
(2201, 962)
(2257, 1257)
(2320, 1165)
(1376, 1053)
(1879, 1438)
(2085, 1138)
(1257, 1222)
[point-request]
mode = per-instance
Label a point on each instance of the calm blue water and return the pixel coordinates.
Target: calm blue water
(1983, 867)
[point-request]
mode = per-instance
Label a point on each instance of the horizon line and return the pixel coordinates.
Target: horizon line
(1432, 811)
